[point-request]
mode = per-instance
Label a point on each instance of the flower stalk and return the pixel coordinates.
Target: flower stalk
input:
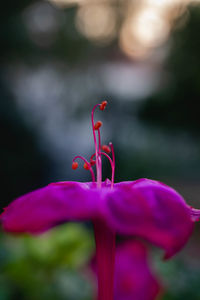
(105, 255)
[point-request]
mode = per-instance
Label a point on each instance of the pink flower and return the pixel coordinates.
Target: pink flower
(143, 208)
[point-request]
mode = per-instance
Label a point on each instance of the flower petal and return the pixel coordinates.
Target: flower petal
(133, 277)
(44, 208)
(152, 210)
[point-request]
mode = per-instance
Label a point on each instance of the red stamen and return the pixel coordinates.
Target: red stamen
(96, 147)
(92, 162)
(87, 166)
(98, 153)
(106, 148)
(97, 125)
(74, 165)
(103, 105)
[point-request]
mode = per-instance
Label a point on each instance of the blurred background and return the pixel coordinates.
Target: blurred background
(58, 59)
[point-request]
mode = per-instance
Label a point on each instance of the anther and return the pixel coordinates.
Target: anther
(97, 125)
(106, 148)
(92, 162)
(103, 105)
(86, 166)
(74, 165)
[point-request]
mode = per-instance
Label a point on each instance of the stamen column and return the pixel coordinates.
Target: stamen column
(98, 157)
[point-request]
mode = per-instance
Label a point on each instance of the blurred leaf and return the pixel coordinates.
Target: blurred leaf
(48, 266)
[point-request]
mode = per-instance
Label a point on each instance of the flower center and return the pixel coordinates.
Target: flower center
(96, 158)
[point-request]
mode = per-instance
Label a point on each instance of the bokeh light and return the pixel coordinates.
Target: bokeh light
(42, 22)
(142, 29)
(96, 22)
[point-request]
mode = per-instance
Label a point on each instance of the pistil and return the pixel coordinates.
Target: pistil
(98, 159)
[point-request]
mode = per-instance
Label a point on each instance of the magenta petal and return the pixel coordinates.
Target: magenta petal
(133, 277)
(39, 210)
(151, 210)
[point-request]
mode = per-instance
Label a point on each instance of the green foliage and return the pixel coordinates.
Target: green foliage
(50, 266)
(182, 281)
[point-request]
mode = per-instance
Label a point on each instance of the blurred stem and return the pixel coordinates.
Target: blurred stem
(105, 253)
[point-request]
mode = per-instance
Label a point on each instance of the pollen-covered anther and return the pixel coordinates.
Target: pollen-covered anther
(92, 162)
(103, 105)
(87, 166)
(74, 165)
(106, 148)
(97, 125)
